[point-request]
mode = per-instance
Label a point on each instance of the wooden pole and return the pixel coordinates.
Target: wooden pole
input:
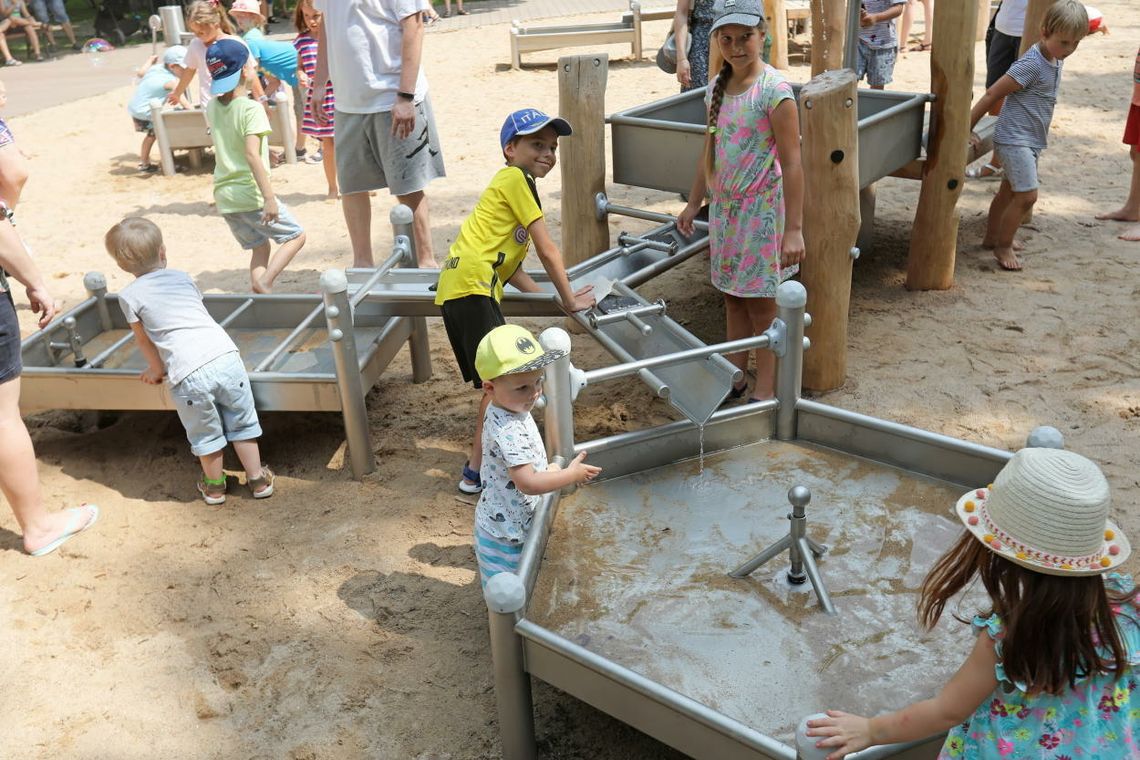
(983, 23)
(934, 235)
(828, 24)
(778, 27)
(582, 102)
(828, 119)
(1034, 16)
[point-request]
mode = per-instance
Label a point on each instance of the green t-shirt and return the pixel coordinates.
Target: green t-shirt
(493, 240)
(234, 187)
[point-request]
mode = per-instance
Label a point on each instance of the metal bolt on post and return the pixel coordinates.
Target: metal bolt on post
(96, 285)
(401, 219)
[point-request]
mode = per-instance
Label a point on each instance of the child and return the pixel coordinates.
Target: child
(1030, 89)
(515, 470)
(308, 22)
(181, 342)
(14, 15)
(490, 248)
(751, 166)
(878, 45)
(13, 164)
(208, 21)
(239, 129)
(1130, 211)
(278, 61)
(154, 82)
(1051, 671)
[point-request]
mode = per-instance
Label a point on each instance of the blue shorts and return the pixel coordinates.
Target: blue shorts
(10, 365)
(495, 555)
(877, 63)
(41, 8)
(1020, 165)
(250, 232)
(215, 404)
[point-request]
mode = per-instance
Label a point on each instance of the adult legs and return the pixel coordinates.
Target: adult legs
(19, 479)
(357, 209)
(1130, 211)
(421, 228)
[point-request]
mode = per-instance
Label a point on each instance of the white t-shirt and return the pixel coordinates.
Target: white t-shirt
(510, 439)
(1010, 19)
(364, 42)
(170, 307)
(196, 59)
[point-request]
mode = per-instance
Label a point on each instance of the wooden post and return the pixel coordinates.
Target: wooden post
(934, 235)
(828, 123)
(582, 102)
(828, 26)
(778, 27)
(1034, 16)
(983, 22)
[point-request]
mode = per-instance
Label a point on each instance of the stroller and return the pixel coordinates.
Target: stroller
(116, 20)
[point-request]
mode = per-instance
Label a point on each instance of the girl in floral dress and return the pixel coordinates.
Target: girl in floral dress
(1052, 673)
(751, 168)
(308, 22)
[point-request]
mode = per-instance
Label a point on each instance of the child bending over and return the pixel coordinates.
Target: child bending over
(490, 249)
(240, 131)
(155, 82)
(183, 344)
(1052, 670)
(515, 471)
(1030, 89)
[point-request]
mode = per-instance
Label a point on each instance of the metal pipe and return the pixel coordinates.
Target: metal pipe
(338, 315)
(851, 39)
(656, 384)
(105, 354)
(651, 216)
(241, 309)
(288, 340)
(538, 536)
(398, 255)
(559, 416)
(505, 597)
(728, 347)
(654, 691)
(624, 238)
(918, 100)
(791, 298)
(596, 320)
(96, 286)
(401, 217)
(661, 265)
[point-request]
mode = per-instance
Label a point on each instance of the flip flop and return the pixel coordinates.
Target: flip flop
(74, 528)
(980, 172)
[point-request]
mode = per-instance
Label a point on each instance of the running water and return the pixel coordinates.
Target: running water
(701, 442)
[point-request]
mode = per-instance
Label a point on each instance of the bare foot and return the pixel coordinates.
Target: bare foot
(1121, 215)
(63, 525)
(430, 264)
(1017, 245)
(1007, 259)
(261, 287)
(1132, 233)
(333, 194)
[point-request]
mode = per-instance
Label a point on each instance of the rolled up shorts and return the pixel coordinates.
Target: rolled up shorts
(368, 157)
(215, 405)
(1020, 164)
(249, 231)
(877, 63)
(42, 8)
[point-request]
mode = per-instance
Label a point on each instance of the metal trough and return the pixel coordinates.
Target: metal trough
(890, 137)
(624, 600)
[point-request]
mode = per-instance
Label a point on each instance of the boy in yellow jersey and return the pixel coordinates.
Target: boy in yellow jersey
(490, 249)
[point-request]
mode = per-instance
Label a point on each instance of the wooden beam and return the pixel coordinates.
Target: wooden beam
(934, 235)
(828, 119)
(984, 14)
(828, 28)
(778, 29)
(1034, 16)
(582, 102)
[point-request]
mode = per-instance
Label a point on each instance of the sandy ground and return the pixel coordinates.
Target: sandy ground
(343, 619)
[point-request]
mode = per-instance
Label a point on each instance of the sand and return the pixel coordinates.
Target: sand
(342, 619)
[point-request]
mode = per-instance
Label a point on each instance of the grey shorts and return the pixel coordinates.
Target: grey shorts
(1020, 164)
(877, 63)
(250, 232)
(368, 157)
(215, 405)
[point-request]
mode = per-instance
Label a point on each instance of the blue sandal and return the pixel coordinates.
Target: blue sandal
(471, 483)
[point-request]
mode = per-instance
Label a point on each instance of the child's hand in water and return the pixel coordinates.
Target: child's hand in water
(845, 733)
(583, 472)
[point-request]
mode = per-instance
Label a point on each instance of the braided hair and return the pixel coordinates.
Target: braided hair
(715, 101)
(209, 13)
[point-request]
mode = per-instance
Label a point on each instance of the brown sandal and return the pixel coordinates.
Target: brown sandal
(262, 487)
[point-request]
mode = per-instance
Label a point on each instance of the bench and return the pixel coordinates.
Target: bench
(526, 39)
(176, 129)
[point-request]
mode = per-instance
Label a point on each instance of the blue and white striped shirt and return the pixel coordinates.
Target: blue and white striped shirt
(881, 35)
(1027, 113)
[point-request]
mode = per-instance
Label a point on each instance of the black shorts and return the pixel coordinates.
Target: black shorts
(143, 126)
(1000, 55)
(467, 320)
(10, 365)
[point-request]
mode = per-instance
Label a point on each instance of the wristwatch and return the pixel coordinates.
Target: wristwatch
(406, 95)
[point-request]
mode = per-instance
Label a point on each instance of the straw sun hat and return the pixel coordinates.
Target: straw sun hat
(1047, 511)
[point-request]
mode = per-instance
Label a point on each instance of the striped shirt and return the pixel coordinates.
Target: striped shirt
(1025, 117)
(306, 46)
(881, 35)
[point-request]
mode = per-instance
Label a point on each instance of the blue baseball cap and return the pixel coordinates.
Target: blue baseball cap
(527, 121)
(225, 59)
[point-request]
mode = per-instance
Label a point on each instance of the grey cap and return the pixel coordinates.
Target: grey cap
(742, 12)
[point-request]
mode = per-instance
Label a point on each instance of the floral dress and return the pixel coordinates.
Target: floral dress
(746, 217)
(700, 27)
(1099, 719)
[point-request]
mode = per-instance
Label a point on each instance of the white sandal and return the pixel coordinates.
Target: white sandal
(979, 172)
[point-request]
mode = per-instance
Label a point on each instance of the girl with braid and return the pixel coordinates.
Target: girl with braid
(751, 169)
